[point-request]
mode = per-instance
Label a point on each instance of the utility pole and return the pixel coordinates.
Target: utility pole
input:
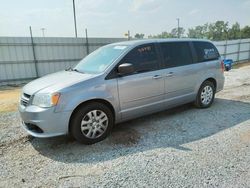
(178, 28)
(33, 52)
(87, 40)
(74, 10)
(127, 34)
(43, 32)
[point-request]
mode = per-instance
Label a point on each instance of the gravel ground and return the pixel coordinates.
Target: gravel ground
(182, 147)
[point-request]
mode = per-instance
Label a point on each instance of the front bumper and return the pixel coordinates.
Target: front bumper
(44, 122)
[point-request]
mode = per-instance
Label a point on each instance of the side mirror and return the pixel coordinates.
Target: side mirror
(125, 68)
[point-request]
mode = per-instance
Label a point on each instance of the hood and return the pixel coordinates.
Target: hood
(54, 82)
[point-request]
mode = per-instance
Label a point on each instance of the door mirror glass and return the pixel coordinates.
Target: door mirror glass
(125, 68)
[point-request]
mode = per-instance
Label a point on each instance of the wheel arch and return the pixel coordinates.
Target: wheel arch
(102, 101)
(197, 100)
(212, 80)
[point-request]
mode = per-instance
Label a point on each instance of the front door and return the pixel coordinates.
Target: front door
(141, 92)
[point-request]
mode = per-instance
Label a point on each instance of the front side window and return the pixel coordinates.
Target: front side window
(205, 51)
(176, 54)
(143, 58)
(99, 60)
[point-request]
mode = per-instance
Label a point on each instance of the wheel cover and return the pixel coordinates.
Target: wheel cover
(94, 124)
(207, 95)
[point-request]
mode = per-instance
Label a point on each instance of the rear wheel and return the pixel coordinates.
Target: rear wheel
(205, 96)
(91, 123)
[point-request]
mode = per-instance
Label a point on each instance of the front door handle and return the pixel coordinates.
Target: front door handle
(157, 76)
(170, 74)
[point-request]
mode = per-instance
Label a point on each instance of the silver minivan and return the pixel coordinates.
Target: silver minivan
(119, 82)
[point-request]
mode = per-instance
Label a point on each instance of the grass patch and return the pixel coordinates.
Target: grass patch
(9, 99)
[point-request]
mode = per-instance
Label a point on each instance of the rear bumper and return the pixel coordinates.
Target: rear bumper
(220, 84)
(44, 122)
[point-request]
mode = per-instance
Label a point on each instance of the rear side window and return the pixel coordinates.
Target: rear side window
(176, 54)
(144, 58)
(205, 51)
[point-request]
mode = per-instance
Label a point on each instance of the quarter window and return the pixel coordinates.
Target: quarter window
(144, 58)
(176, 54)
(205, 51)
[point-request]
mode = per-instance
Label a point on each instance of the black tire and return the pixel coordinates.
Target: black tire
(198, 101)
(75, 123)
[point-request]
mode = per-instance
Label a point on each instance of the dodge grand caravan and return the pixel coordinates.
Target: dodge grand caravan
(118, 82)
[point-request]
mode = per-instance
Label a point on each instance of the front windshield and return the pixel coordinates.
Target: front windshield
(99, 60)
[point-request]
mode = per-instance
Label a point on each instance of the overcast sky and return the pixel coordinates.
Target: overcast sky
(112, 18)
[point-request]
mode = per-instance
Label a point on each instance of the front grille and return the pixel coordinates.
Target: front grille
(26, 95)
(25, 99)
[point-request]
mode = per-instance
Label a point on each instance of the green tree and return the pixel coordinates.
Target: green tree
(139, 35)
(213, 31)
(174, 32)
(234, 32)
(164, 34)
(199, 31)
(218, 30)
(245, 32)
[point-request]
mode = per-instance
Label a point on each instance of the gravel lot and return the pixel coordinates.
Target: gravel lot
(182, 147)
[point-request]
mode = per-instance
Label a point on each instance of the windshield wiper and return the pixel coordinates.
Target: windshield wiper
(76, 70)
(71, 69)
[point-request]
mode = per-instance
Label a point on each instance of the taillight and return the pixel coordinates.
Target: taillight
(222, 66)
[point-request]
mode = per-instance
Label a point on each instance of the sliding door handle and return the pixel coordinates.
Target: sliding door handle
(157, 76)
(170, 74)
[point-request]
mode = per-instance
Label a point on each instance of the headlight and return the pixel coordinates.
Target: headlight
(45, 100)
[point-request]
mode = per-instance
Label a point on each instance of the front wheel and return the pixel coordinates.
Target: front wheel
(205, 96)
(91, 123)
